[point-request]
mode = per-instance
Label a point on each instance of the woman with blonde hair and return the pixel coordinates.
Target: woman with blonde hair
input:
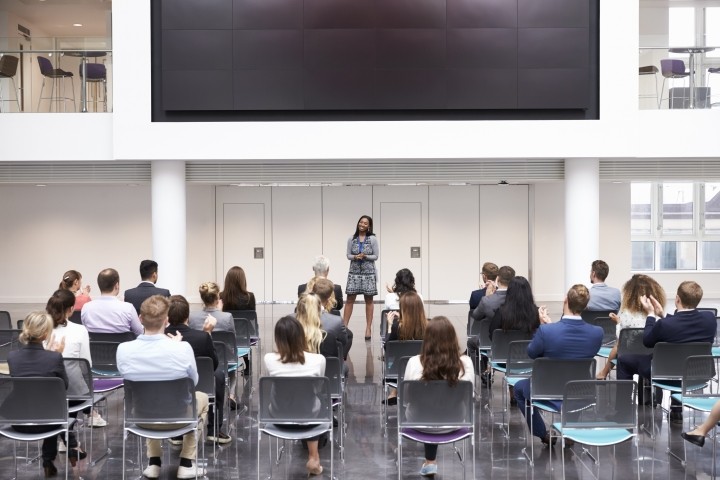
(632, 314)
(318, 340)
(72, 281)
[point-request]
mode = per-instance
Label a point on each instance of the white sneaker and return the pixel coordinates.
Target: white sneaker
(152, 471)
(61, 447)
(190, 472)
(97, 420)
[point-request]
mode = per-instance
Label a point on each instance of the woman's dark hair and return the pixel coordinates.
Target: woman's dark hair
(179, 310)
(234, 289)
(404, 282)
(68, 279)
(519, 311)
(370, 227)
(290, 340)
(413, 321)
(440, 353)
(58, 305)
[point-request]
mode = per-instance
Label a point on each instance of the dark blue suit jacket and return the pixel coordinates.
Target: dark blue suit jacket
(475, 297)
(681, 327)
(571, 337)
(145, 290)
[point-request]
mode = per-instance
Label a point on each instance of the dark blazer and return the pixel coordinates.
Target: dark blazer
(682, 327)
(32, 360)
(201, 342)
(240, 303)
(337, 291)
(334, 324)
(489, 305)
(475, 297)
(569, 338)
(142, 292)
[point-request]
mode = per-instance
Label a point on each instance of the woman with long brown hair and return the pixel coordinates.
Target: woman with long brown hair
(235, 295)
(410, 322)
(439, 359)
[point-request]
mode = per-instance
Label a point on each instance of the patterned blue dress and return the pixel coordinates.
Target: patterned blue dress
(362, 278)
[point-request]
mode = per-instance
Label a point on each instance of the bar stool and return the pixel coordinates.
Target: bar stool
(650, 70)
(8, 69)
(96, 73)
(710, 71)
(673, 69)
(57, 75)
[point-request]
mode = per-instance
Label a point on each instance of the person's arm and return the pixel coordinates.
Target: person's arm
(192, 372)
(375, 249)
(84, 339)
(251, 301)
(338, 297)
(350, 256)
(59, 370)
(608, 364)
(135, 325)
(210, 348)
(496, 322)
(479, 313)
(652, 333)
(537, 344)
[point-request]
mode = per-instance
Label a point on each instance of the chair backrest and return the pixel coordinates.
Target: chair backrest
(708, 309)
(104, 358)
(243, 331)
(590, 315)
(384, 328)
(250, 315)
(75, 317)
(699, 370)
(45, 64)
(630, 341)
(294, 400)
(550, 375)
(481, 329)
(668, 360)
(221, 352)
(519, 364)
(206, 374)
(599, 404)
(228, 340)
(80, 380)
(333, 371)
(33, 400)
(609, 329)
(5, 320)
(669, 67)
(395, 350)
(165, 401)
(112, 337)
(501, 343)
(648, 70)
(401, 367)
(95, 71)
(419, 402)
(20, 324)
(10, 336)
(8, 65)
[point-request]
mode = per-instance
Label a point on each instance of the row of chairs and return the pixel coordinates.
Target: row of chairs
(672, 69)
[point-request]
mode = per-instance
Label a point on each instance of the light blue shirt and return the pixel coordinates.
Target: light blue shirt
(107, 314)
(156, 357)
(603, 298)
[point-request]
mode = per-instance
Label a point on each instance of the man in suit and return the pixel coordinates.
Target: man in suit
(687, 325)
(570, 337)
(321, 268)
(602, 297)
(202, 345)
(146, 288)
(106, 313)
(489, 274)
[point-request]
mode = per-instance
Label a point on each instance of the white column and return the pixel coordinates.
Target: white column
(582, 218)
(168, 223)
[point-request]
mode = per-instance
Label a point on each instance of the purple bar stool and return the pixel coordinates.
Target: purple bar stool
(650, 70)
(57, 75)
(673, 69)
(96, 73)
(8, 69)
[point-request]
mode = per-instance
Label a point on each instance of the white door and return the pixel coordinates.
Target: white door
(401, 243)
(504, 226)
(241, 238)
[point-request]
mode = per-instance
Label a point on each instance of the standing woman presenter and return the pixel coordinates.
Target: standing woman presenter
(362, 251)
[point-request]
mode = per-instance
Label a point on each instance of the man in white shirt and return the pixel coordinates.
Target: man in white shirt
(106, 313)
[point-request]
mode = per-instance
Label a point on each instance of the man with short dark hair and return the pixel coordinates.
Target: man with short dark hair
(155, 356)
(686, 325)
(146, 288)
(570, 337)
(603, 298)
(107, 314)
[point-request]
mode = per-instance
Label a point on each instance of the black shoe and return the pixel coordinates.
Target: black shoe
(390, 401)
(49, 468)
(511, 394)
(676, 417)
(233, 404)
(486, 378)
(698, 440)
(546, 440)
(335, 422)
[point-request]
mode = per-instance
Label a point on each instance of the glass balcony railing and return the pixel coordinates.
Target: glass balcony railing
(679, 77)
(55, 74)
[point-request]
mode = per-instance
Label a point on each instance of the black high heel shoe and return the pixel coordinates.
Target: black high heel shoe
(49, 468)
(75, 454)
(698, 440)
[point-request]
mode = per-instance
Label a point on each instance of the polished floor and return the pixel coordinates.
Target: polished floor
(370, 451)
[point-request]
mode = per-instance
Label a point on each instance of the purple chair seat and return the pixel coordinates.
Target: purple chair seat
(95, 71)
(429, 437)
(107, 384)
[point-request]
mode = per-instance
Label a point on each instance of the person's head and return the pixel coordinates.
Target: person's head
(325, 290)
(108, 281)
(440, 352)
(71, 281)
(154, 314)
(636, 287)
(689, 294)
(178, 310)
(519, 311)
(37, 327)
(290, 340)
(235, 287)
(148, 270)
(577, 299)
(321, 267)
(308, 314)
(412, 317)
(599, 271)
(489, 271)
(504, 276)
(404, 281)
(209, 293)
(364, 226)
(60, 306)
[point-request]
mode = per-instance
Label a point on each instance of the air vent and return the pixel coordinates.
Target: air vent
(74, 172)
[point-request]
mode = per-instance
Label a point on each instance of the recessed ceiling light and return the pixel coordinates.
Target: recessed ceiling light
(77, 24)
(41, 185)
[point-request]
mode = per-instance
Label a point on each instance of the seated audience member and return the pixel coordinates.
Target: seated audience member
(107, 314)
(235, 295)
(687, 325)
(146, 288)
(632, 314)
(439, 359)
(602, 297)
(202, 345)
(33, 360)
(72, 281)
(698, 434)
(489, 275)
(323, 288)
(155, 356)
(77, 342)
(404, 282)
(318, 340)
(321, 268)
(570, 337)
(294, 360)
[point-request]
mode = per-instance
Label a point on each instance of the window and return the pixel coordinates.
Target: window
(712, 30)
(675, 226)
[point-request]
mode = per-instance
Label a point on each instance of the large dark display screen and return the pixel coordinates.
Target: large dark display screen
(374, 59)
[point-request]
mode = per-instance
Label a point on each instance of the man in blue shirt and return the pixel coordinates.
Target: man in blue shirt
(602, 297)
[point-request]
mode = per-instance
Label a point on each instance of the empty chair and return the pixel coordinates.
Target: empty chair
(394, 351)
(5, 320)
(8, 69)
(96, 74)
(711, 71)
(57, 88)
(673, 69)
(646, 71)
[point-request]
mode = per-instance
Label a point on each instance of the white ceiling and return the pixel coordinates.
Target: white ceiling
(55, 18)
